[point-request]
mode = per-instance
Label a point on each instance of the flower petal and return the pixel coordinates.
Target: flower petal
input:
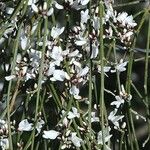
(51, 134)
(24, 125)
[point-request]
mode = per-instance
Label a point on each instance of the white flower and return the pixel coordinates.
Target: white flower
(118, 102)
(94, 118)
(127, 35)
(50, 11)
(74, 53)
(96, 22)
(130, 22)
(56, 31)
(114, 119)
(109, 14)
(107, 136)
(24, 125)
(45, 6)
(83, 71)
(34, 27)
(94, 51)
(30, 2)
(120, 66)
(3, 125)
(75, 140)
(9, 10)
(39, 125)
(121, 17)
(34, 8)
(51, 134)
(124, 19)
(83, 2)
(59, 75)
(8, 78)
(24, 41)
(109, 32)
(105, 68)
(73, 114)
(4, 144)
(58, 6)
(81, 42)
(84, 16)
(65, 121)
(75, 92)
(57, 54)
(51, 69)
(8, 31)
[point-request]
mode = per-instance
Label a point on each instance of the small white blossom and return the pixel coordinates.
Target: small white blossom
(51, 134)
(74, 53)
(34, 8)
(75, 92)
(94, 118)
(84, 2)
(59, 75)
(8, 78)
(85, 16)
(39, 125)
(4, 143)
(105, 68)
(50, 11)
(75, 140)
(120, 66)
(58, 6)
(94, 51)
(118, 102)
(124, 19)
(3, 125)
(30, 2)
(107, 136)
(83, 72)
(24, 41)
(81, 42)
(57, 54)
(24, 125)
(74, 113)
(56, 31)
(9, 10)
(96, 23)
(114, 119)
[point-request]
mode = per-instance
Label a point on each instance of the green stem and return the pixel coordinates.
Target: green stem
(10, 84)
(146, 77)
(128, 86)
(101, 53)
(117, 72)
(40, 77)
(121, 140)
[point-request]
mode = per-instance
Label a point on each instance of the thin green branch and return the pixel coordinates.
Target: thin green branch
(101, 54)
(146, 77)
(40, 77)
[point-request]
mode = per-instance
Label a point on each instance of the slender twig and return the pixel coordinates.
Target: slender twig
(128, 86)
(146, 77)
(10, 84)
(40, 76)
(101, 54)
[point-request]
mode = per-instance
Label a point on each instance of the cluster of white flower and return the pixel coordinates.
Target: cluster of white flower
(120, 25)
(120, 100)
(4, 143)
(69, 46)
